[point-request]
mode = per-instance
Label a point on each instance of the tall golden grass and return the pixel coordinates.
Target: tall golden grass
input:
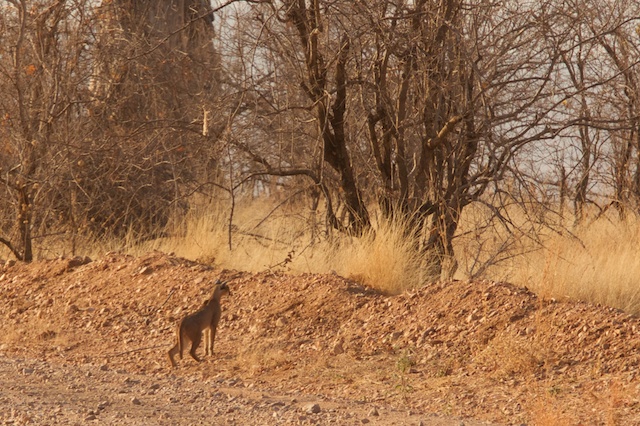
(598, 262)
(282, 239)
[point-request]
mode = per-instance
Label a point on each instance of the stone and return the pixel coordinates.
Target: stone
(337, 348)
(312, 408)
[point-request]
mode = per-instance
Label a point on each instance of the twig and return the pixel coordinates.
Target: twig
(234, 276)
(138, 350)
(165, 302)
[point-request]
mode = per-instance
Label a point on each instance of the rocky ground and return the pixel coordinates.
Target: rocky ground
(84, 342)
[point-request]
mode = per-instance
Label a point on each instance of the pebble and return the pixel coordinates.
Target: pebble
(337, 348)
(312, 408)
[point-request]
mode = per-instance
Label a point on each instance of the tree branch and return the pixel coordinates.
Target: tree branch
(444, 132)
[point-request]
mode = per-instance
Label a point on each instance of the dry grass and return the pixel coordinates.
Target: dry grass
(36, 329)
(384, 258)
(261, 238)
(547, 411)
(597, 262)
(509, 356)
(282, 239)
(550, 407)
(255, 360)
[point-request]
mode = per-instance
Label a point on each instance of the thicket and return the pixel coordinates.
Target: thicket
(477, 131)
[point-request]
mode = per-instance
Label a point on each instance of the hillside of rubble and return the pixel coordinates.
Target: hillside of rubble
(305, 349)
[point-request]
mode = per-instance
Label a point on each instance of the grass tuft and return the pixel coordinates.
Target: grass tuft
(599, 263)
(384, 258)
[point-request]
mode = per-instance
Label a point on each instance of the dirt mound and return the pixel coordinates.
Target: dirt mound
(478, 349)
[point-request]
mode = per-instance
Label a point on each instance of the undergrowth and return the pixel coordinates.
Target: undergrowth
(384, 258)
(597, 262)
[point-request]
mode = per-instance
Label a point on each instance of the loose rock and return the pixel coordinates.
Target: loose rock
(312, 409)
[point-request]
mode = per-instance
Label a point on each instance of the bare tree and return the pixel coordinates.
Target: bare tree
(42, 72)
(155, 88)
(451, 94)
(596, 86)
(114, 116)
(109, 116)
(625, 122)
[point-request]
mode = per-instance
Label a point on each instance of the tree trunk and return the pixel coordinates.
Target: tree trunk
(580, 199)
(330, 117)
(24, 225)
